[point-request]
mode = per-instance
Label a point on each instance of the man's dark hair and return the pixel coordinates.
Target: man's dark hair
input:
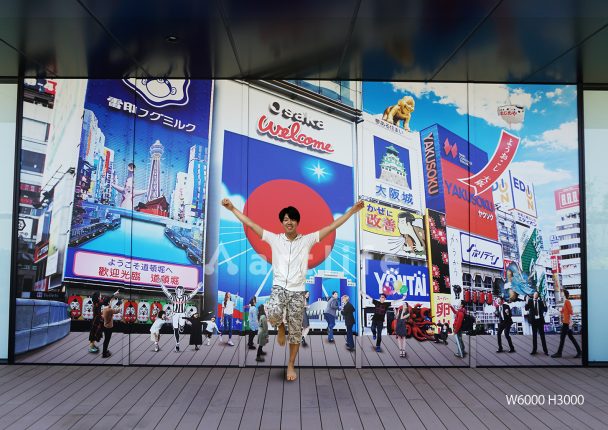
(161, 314)
(334, 292)
(291, 212)
(382, 294)
(567, 294)
(462, 303)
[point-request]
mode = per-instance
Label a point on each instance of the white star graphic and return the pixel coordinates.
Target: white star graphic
(318, 171)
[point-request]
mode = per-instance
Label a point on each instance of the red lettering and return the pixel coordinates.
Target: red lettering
(291, 134)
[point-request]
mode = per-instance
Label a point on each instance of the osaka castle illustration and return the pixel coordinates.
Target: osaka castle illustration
(392, 170)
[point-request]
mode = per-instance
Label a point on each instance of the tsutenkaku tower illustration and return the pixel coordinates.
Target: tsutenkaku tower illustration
(156, 152)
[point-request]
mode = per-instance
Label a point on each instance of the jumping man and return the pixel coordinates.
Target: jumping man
(290, 254)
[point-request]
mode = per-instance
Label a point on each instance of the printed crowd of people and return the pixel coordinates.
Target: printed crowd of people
(201, 331)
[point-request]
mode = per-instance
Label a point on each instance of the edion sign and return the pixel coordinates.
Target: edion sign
(567, 197)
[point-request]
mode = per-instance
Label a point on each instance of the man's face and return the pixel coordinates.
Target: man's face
(536, 295)
(335, 295)
(289, 225)
(382, 299)
(179, 292)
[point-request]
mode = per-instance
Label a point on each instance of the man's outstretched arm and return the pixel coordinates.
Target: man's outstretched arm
(242, 217)
(339, 221)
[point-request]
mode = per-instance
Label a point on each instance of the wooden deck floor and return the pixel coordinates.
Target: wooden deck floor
(75, 397)
(137, 349)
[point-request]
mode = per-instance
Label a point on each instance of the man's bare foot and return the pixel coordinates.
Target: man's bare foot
(291, 373)
(281, 335)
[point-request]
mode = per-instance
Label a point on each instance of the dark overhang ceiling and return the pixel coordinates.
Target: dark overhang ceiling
(422, 40)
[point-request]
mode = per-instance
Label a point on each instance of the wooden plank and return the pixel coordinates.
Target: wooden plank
(318, 352)
(308, 390)
(475, 400)
(364, 403)
(529, 385)
(217, 395)
(456, 404)
(305, 354)
(328, 408)
(273, 403)
(594, 411)
(382, 403)
(86, 397)
(111, 397)
(367, 346)
(330, 351)
(228, 352)
(349, 415)
(235, 406)
(279, 355)
(404, 409)
(346, 357)
(165, 400)
(412, 359)
(19, 407)
(290, 412)
(28, 389)
(215, 350)
(193, 400)
(440, 408)
(163, 386)
(254, 406)
(113, 417)
(15, 387)
(497, 388)
(51, 410)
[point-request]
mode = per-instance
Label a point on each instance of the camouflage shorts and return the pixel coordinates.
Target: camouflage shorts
(286, 306)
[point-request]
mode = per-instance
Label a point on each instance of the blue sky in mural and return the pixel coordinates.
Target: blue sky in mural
(548, 154)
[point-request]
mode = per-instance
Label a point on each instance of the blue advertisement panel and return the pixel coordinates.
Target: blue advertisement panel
(402, 282)
(139, 204)
(433, 179)
(320, 189)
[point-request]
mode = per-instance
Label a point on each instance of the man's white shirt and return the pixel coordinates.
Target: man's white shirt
(290, 258)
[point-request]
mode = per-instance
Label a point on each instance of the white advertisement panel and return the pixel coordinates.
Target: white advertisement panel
(522, 189)
(479, 251)
(286, 123)
(455, 258)
(390, 165)
(515, 192)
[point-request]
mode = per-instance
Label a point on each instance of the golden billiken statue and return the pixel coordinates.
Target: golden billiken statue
(290, 252)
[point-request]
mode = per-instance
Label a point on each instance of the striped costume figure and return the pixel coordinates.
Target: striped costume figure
(178, 304)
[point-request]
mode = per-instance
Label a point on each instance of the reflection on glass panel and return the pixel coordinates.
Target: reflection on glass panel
(596, 200)
(345, 92)
(8, 106)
